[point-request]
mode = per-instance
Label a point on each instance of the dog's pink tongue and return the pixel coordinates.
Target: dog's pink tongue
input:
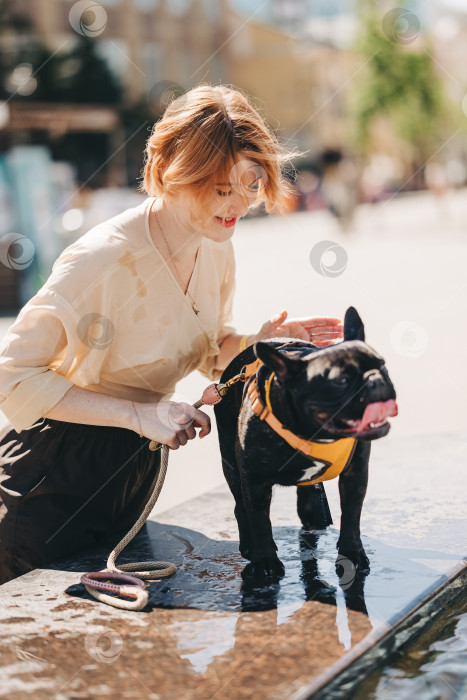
(377, 412)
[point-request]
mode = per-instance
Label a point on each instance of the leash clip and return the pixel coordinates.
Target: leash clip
(223, 388)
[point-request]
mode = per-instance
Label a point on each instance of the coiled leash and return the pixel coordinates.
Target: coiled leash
(115, 579)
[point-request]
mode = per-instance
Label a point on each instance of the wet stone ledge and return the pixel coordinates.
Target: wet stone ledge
(204, 634)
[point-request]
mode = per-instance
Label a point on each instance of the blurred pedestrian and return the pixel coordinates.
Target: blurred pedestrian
(339, 186)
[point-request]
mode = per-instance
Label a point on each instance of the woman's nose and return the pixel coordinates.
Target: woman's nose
(238, 205)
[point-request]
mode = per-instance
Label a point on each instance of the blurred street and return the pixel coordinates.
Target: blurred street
(403, 268)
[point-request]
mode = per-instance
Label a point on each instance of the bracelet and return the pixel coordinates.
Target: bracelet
(139, 424)
(244, 343)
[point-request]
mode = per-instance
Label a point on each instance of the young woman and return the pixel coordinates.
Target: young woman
(88, 367)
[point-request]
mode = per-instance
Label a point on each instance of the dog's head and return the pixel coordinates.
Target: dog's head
(342, 390)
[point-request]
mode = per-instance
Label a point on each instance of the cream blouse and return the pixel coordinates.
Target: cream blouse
(112, 318)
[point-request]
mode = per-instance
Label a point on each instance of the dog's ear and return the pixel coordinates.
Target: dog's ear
(284, 367)
(353, 325)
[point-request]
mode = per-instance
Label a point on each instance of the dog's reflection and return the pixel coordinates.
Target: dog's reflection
(257, 596)
(350, 581)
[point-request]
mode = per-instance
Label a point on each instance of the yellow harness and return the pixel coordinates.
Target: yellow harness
(335, 455)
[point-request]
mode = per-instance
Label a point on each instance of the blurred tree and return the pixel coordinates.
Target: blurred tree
(82, 76)
(399, 84)
(30, 71)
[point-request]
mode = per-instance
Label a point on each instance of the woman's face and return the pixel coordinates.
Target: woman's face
(229, 201)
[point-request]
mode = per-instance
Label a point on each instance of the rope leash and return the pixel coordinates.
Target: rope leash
(115, 579)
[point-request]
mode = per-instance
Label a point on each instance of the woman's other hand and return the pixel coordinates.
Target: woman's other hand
(319, 330)
(171, 423)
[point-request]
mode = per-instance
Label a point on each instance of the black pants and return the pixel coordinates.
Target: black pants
(65, 486)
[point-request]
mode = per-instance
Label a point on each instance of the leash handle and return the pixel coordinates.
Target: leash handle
(124, 585)
(211, 395)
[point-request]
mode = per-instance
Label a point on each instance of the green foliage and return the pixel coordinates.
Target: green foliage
(399, 83)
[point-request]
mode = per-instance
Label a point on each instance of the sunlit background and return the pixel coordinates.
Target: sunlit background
(374, 94)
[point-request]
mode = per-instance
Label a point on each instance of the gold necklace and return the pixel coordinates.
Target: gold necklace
(193, 302)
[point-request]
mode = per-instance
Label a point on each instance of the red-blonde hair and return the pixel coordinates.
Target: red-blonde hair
(202, 136)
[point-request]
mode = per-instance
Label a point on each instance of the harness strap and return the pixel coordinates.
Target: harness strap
(335, 454)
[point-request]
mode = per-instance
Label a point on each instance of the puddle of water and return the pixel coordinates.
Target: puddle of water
(433, 667)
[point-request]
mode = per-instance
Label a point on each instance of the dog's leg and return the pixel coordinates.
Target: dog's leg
(312, 507)
(242, 519)
(263, 554)
(232, 477)
(226, 418)
(352, 489)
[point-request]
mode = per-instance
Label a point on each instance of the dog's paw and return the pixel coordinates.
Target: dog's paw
(363, 563)
(352, 558)
(267, 568)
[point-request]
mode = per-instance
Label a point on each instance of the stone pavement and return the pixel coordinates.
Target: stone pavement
(203, 633)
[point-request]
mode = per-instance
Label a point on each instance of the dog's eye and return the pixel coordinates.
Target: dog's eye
(341, 381)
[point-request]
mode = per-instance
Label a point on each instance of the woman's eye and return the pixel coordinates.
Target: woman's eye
(221, 193)
(255, 185)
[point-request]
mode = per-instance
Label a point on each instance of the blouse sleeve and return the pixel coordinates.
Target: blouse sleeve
(224, 328)
(41, 341)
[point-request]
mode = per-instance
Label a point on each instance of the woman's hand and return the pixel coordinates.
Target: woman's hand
(171, 423)
(319, 330)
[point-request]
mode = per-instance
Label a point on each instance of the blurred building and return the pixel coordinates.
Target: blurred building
(144, 41)
(150, 48)
(298, 79)
(301, 81)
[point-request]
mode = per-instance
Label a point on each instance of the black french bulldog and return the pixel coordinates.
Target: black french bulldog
(319, 394)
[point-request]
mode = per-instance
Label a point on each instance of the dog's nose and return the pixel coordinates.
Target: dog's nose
(377, 385)
(373, 378)
(372, 375)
